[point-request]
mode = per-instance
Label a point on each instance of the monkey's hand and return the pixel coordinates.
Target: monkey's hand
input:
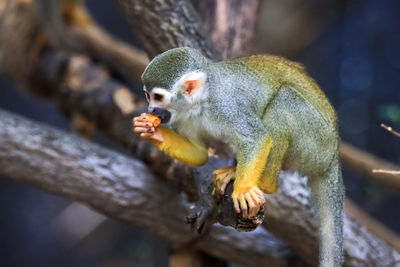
(170, 142)
(145, 129)
(222, 177)
(249, 200)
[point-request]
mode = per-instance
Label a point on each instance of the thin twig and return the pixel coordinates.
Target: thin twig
(390, 129)
(363, 162)
(386, 171)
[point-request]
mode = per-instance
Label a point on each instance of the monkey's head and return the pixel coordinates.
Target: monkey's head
(174, 82)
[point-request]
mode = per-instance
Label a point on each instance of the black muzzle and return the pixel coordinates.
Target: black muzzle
(163, 114)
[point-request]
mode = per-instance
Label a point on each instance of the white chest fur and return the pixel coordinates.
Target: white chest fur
(200, 126)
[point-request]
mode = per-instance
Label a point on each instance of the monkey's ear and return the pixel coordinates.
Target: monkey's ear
(193, 83)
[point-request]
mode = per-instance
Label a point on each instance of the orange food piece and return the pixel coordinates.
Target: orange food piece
(153, 119)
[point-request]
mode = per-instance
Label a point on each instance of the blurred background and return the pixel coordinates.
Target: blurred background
(350, 47)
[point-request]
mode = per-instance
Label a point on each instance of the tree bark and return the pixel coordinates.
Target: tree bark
(290, 216)
(231, 24)
(125, 189)
(121, 188)
(90, 39)
(164, 24)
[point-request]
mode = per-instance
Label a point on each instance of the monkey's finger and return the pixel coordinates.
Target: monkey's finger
(258, 192)
(252, 206)
(256, 198)
(222, 188)
(262, 198)
(216, 172)
(146, 135)
(143, 124)
(141, 118)
(140, 130)
(243, 206)
(236, 204)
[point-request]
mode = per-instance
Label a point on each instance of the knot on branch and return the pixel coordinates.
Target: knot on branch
(210, 208)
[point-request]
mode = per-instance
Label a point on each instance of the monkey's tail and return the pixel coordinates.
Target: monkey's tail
(328, 196)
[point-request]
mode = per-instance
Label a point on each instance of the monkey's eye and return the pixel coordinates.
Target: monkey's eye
(158, 97)
(147, 96)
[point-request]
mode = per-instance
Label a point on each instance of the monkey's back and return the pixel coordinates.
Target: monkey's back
(279, 72)
(299, 110)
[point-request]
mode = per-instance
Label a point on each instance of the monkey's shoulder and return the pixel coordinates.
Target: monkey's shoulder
(278, 72)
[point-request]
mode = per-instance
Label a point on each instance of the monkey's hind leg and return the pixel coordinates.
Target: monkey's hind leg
(328, 195)
(222, 177)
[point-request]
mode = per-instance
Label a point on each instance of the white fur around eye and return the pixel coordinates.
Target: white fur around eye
(166, 96)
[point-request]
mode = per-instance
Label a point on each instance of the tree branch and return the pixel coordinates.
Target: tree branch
(231, 24)
(374, 226)
(125, 189)
(364, 163)
(164, 24)
(390, 130)
(89, 39)
(121, 188)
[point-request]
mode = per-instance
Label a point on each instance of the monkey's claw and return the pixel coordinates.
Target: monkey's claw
(222, 177)
(249, 202)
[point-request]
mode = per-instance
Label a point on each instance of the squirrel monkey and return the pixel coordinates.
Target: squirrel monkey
(270, 109)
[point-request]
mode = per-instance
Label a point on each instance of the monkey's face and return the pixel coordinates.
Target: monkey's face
(159, 103)
(179, 102)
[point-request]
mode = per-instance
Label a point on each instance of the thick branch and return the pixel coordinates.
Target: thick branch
(289, 215)
(231, 24)
(374, 226)
(125, 189)
(121, 188)
(164, 24)
(88, 39)
(81, 88)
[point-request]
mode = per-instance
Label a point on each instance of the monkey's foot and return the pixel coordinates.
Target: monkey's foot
(222, 177)
(248, 200)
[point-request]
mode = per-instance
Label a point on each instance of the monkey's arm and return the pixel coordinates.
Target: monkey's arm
(180, 148)
(170, 142)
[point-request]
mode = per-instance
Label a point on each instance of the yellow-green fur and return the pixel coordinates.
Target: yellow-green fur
(278, 72)
(181, 149)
